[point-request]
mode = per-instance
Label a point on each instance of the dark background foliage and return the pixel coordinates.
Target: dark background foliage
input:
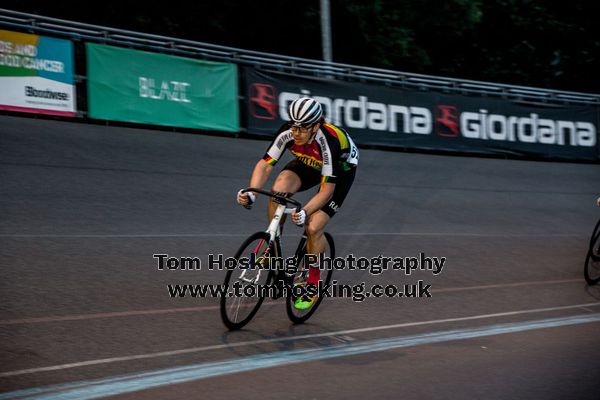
(548, 44)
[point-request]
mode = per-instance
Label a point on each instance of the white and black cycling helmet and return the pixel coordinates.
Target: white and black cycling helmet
(305, 111)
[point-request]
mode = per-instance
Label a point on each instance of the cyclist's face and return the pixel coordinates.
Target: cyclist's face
(302, 135)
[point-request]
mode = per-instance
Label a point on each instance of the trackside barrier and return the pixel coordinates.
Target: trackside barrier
(195, 85)
(396, 117)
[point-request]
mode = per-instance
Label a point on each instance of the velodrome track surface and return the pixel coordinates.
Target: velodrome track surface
(84, 207)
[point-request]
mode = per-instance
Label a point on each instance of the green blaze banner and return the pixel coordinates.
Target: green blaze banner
(138, 86)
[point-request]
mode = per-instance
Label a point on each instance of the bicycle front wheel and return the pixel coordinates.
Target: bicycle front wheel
(242, 300)
(591, 270)
(300, 316)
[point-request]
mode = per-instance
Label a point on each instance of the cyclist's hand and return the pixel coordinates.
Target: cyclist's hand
(246, 199)
(598, 202)
(299, 218)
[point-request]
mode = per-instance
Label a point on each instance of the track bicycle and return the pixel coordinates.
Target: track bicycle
(591, 270)
(263, 249)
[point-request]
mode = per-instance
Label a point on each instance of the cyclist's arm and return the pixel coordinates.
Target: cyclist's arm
(261, 174)
(264, 166)
(320, 199)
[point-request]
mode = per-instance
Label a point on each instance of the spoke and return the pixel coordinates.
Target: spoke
(236, 301)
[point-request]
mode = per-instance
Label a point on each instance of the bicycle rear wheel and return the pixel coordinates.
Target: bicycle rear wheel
(300, 316)
(591, 269)
(238, 310)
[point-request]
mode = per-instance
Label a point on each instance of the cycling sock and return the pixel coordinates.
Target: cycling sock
(314, 274)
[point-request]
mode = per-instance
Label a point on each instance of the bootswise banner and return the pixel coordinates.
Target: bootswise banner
(36, 74)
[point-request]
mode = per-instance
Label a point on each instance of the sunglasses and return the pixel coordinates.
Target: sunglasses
(302, 126)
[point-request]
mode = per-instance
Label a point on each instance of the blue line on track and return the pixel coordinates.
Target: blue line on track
(94, 389)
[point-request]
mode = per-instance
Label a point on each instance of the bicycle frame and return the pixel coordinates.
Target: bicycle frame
(274, 228)
(264, 245)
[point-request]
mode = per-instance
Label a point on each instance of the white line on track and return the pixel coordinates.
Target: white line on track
(462, 234)
(133, 313)
(131, 235)
(284, 339)
(505, 285)
(176, 235)
(116, 314)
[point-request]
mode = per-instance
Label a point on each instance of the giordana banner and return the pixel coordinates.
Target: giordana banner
(36, 74)
(377, 115)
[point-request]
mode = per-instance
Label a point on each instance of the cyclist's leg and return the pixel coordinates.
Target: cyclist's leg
(315, 245)
(295, 177)
(315, 227)
(287, 181)
(316, 242)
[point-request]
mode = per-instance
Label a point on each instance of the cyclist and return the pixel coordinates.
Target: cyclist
(325, 156)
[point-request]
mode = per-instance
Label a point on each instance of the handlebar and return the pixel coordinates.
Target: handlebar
(278, 198)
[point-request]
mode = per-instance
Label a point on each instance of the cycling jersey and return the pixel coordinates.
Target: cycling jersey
(331, 151)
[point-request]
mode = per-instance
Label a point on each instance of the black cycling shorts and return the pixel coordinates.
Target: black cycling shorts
(310, 177)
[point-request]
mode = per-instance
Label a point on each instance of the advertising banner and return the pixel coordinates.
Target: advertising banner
(380, 115)
(36, 74)
(137, 86)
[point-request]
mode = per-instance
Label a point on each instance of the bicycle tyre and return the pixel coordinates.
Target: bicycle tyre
(231, 305)
(297, 316)
(591, 269)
